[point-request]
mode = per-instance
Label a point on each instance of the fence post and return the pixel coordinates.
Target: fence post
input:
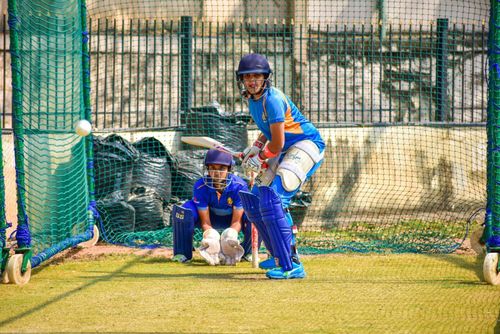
(186, 34)
(382, 18)
(442, 70)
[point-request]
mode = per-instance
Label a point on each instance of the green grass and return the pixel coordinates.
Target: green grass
(342, 294)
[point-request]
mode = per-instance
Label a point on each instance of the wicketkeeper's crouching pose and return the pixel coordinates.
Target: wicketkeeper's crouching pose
(216, 205)
(285, 155)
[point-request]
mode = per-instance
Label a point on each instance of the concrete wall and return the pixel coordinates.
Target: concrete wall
(303, 11)
(404, 12)
(399, 173)
(311, 11)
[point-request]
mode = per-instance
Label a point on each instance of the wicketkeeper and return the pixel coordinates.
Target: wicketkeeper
(287, 152)
(216, 206)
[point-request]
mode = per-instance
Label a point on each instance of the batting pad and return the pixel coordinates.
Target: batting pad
(183, 228)
(250, 203)
(277, 226)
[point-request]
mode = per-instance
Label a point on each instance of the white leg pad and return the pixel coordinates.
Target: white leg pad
(298, 161)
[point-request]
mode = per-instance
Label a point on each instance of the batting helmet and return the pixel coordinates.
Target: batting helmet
(217, 157)
(253, 63)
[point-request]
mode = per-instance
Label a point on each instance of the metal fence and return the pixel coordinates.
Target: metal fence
(334, 73)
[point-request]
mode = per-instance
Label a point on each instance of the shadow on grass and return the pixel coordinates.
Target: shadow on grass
(240, 276)
(57, 260)
(250, 274)
(459, 261)
(67, 294)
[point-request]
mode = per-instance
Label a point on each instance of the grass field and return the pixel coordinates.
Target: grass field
(342, 294)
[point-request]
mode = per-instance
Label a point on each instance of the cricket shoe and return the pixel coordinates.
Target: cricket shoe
(181, 258)
(268, 264)
(296, 272)
(247, 257)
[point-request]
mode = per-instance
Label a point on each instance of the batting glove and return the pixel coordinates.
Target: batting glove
(255, 164)
(252, 151)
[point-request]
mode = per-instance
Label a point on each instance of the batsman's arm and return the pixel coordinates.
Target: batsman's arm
(262, 138)
(277, 137)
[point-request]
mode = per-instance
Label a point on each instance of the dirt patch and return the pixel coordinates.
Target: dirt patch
(465, 248)
(103, 249)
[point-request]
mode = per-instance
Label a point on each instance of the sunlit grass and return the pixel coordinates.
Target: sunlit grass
(342, 293)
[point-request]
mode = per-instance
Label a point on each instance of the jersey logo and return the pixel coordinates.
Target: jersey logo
(229, 201)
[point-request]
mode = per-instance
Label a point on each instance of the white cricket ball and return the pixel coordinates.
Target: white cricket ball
(83, 128)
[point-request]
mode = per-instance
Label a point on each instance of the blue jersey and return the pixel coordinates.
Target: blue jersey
(206, 197)
(274, 107)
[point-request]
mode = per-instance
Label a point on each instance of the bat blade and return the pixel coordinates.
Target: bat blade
(255, 247)
(209, 143)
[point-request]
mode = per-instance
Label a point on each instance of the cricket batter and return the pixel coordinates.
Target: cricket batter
(216, 205)
(287, 152)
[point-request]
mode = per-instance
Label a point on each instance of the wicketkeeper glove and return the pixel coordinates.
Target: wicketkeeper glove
(210, 246)
(231, 248)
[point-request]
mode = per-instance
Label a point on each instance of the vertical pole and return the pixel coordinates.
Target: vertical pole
(382, 18)
(22, 217)
(87, 114)
(442, 70)
(3, 219)
(186, 34)
(492, 230)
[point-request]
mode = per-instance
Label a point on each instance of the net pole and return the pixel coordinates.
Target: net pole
(23, 235)
(492, 231)
(92, 211)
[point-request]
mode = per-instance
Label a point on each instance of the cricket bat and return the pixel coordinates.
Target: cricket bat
(209, 143)
(255, 233)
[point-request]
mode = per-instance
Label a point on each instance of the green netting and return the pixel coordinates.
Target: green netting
(3, 221)
(491, 236)
(398, 90)
(48, 99)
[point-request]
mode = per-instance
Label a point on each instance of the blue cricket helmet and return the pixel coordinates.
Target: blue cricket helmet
(218, 157)
(254, 63)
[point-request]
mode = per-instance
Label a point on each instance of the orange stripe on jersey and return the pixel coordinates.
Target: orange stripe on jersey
(290, 125)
